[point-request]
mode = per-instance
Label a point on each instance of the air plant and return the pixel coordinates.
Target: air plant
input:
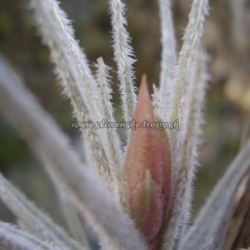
(137, 197)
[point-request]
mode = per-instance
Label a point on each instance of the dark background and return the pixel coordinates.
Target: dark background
(226, 39)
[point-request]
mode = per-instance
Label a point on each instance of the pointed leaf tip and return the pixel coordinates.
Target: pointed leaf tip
(148, 170)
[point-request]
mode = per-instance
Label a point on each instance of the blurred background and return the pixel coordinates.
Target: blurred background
(226, 39)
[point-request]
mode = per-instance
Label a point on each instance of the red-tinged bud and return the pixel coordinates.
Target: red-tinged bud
(148, 170)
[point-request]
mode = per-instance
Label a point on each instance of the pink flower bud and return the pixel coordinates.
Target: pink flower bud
(148, 170)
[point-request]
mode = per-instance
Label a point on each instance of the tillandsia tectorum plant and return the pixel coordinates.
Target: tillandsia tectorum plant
(134, 198)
